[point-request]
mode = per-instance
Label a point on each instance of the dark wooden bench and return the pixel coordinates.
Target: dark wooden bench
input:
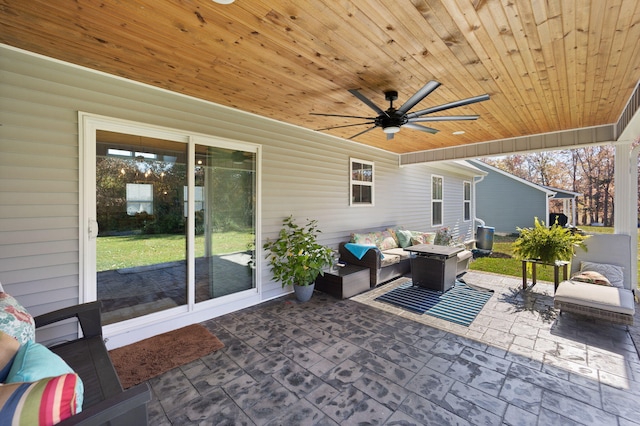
(105, 402)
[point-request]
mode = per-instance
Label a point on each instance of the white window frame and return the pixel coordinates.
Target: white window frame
(437, 201)
(466, 202)
(359, 182)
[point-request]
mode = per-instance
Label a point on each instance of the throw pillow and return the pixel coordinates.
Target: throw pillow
(34, 361)
(386, 241)
(404, 238)
(15, 320)
(8, 349)
(591, 277)
(369, 239)
(614, 273)
(43, 403)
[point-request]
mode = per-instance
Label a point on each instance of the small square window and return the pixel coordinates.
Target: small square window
(361, 182)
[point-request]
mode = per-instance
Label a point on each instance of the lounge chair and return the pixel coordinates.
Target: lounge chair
(610, 303)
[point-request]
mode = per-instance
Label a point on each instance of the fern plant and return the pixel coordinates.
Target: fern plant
(296, 257)
(547, 244)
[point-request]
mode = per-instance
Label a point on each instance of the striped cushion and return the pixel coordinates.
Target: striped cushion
(45, 402)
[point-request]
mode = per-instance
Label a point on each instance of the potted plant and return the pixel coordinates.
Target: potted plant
(296, 258)
(547, 244)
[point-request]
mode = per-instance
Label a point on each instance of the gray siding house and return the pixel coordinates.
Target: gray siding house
(51, 113)
(507, 202)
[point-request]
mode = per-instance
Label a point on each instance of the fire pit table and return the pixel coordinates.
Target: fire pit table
(433, 266)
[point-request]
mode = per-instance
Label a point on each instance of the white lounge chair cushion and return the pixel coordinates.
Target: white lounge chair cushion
(611, 299)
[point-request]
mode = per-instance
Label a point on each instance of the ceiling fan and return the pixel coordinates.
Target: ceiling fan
(393, 119)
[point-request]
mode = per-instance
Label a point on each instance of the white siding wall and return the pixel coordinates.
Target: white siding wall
(304, 173)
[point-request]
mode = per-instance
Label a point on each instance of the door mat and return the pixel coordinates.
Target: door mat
(148, 358)
(460, 305)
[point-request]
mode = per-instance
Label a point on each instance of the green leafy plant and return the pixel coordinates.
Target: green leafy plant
(547, 244)
(296, 257)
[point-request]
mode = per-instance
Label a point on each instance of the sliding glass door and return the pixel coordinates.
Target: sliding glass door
(172, 223)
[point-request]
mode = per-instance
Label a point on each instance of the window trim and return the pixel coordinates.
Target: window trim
(439, 201)
(466, 201)
(353, 182)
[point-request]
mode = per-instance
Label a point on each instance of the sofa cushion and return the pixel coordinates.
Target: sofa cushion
(612, 299)
(614, 273)
(397, 252)
(44, 402)
(34, 361)
(389, 259)
(15, 320)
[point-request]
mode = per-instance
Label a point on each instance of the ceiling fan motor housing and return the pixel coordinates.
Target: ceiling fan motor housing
(391, 118)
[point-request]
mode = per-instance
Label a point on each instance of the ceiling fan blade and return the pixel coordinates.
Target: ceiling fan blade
(421, 128)
(443, 118)
(346, 125)
(339, 115)
(418, 96)
(364, 131)
(366, 101)
(461, 102)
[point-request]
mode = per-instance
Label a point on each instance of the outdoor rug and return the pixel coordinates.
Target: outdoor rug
(151, 357)
(460, 305)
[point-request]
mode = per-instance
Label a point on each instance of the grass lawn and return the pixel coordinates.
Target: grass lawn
(513, 267)
(140, 250)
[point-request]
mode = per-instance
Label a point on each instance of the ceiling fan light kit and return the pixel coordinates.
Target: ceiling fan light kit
(393, 119)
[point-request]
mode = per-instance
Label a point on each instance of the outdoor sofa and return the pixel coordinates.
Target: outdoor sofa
(383, 252)
(600, 280)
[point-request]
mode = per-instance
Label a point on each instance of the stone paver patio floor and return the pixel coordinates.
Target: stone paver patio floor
(358, 361)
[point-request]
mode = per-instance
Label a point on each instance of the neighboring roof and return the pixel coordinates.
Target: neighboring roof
(550, 193)
(562, 193)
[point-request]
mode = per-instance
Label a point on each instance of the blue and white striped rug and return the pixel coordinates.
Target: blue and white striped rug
(460, 305)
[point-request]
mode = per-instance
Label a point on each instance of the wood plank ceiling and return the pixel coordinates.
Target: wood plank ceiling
(548, 65)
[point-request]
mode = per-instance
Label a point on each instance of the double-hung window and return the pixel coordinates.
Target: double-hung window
(361, 182)
(436, 200)
(466, 200)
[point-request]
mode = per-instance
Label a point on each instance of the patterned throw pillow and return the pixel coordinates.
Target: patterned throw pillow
(591, 277)
(42, 403)
(614, 273)
(15, 320)
(369, 239)
(8, 349)
(386, 240)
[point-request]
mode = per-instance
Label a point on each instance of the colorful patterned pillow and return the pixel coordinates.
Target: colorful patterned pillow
(43, 403)
(369, 239)
(591, 277)
(614, 273)
(8, 349)
(419, 237)
(386, 240)
(34, 361)
(15, 320)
